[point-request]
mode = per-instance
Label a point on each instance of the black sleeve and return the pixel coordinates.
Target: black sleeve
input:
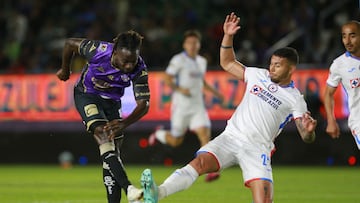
(88, 48)
(141, 86)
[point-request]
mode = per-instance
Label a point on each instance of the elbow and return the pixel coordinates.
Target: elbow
(226, 65)
(223, 65)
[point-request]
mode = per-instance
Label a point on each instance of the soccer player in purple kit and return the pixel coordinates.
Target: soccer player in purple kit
(110, 68)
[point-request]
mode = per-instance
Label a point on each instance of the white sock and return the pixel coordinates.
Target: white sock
(179, 180)
(161, 136)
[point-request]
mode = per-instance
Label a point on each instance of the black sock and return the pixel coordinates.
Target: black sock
(116, 169)
(113, 190)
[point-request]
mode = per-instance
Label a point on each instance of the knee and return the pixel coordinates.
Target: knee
(100, 135)
(204, 163)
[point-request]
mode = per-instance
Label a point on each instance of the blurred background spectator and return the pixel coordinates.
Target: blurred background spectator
(32, 32)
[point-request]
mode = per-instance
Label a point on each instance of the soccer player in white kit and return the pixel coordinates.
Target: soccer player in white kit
(345, 69)
(269, 103)
(185, 75)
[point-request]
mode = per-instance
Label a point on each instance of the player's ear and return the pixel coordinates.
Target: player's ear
(292, 68)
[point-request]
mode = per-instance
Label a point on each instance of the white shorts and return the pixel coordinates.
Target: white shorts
(182, 119)
(254, 162)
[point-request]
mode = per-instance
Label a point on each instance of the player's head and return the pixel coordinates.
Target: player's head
(350, 32)
(283, 64)
(126, 50)
(192, 42)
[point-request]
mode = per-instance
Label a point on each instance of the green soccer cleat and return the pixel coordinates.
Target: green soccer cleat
(149, 187)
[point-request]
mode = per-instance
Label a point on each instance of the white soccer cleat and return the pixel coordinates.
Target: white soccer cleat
(149, 187)
(134, 194)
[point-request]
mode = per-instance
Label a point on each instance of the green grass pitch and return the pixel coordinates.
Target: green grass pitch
(83, 184)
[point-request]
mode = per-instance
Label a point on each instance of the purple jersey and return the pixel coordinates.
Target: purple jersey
(101, 78)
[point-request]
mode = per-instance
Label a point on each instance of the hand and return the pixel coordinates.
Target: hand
(63, 75)
(231, 24)
(308, 122)
(333, 129)
(114, 128)
(184, 91)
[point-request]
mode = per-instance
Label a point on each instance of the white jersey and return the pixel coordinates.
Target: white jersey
(264, 110)
(346, 69)
(189, 73)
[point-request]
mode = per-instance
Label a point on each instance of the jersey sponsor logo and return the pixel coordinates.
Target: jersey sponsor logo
(91, 110)
(266, 96)
(125, 78)
(142, 94)
(355, 82)
(103, 47)
(100, 84)
(196, 74)
(352, 69)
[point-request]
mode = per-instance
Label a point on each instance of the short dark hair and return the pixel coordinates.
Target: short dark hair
(353, 22)
(130, 40)
(192, 33)
(289, 53)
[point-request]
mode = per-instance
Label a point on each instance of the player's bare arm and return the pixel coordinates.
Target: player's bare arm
(71, 47)
(227, 56)
(306, 126)
(213, 91)
(332, 127)
(169, 80)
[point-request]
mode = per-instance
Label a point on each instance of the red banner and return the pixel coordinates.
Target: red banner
(45, 98)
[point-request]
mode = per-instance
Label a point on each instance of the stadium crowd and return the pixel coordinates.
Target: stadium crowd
(32, 32)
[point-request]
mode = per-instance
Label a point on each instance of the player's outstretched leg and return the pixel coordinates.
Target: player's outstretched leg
(150, 189)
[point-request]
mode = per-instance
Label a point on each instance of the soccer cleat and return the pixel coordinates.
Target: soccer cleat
(212, 176)
(149, 187)
(152, 140)
(134, 194)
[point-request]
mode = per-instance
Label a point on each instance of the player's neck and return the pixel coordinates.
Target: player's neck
(285, 83)
(191, 55)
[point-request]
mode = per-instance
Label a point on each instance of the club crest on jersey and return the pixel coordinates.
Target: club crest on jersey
(355, 82)
(103, 47)
(256, 90)
(125, 78)
(273, 88)
(266, 96)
